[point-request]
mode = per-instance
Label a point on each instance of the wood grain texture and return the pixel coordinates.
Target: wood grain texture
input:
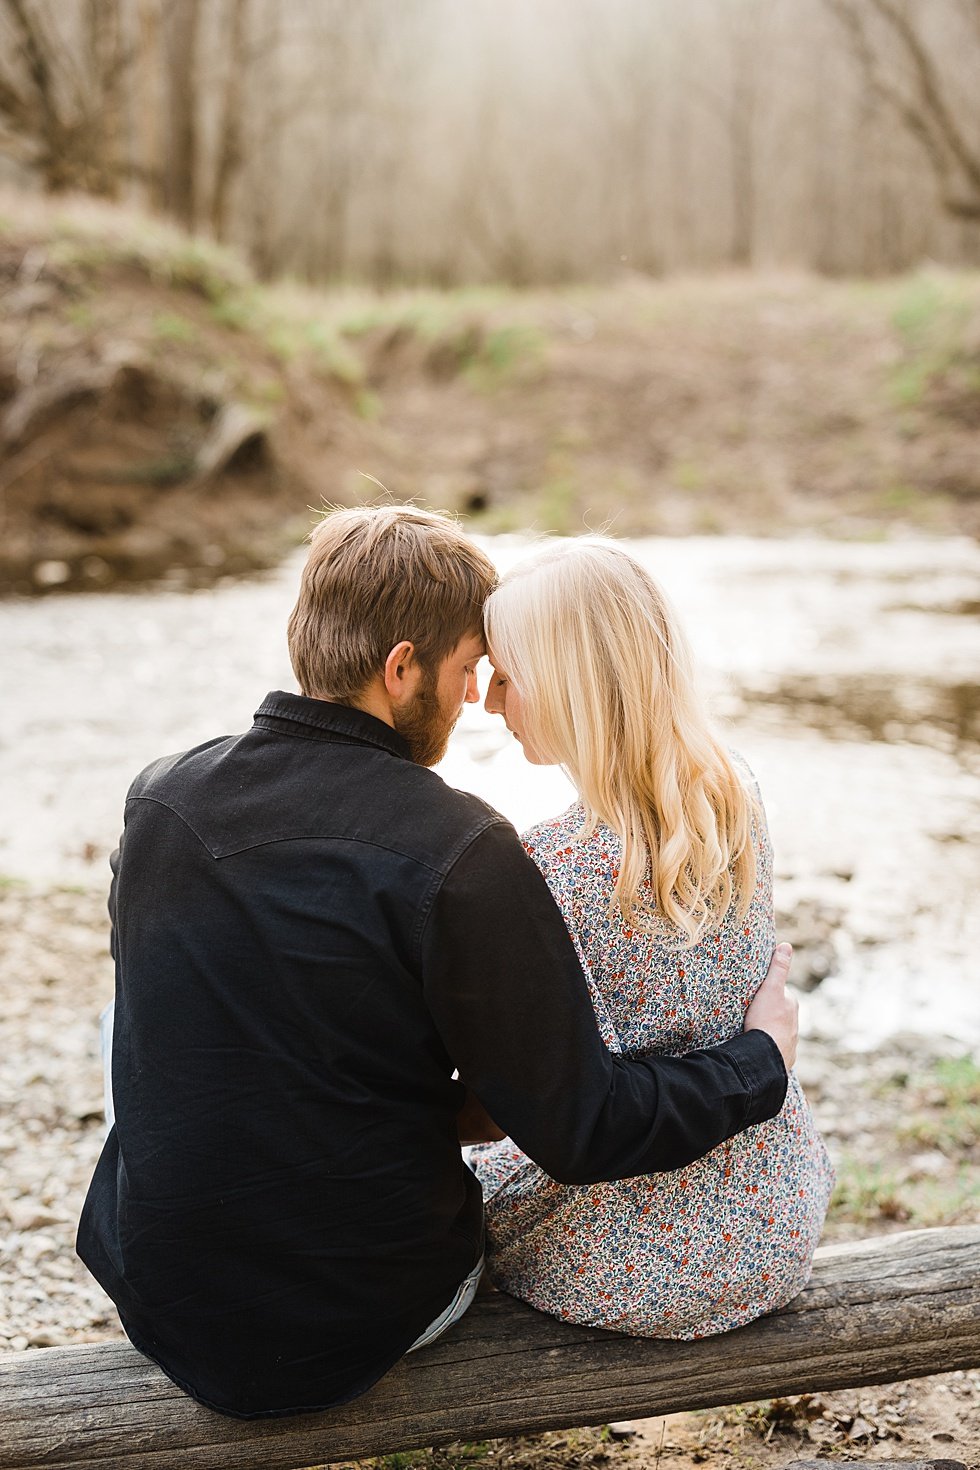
(898, 1307)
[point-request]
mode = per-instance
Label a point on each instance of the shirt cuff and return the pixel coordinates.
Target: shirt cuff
(759, 1062)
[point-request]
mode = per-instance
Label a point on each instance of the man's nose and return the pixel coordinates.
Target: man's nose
(472, 695)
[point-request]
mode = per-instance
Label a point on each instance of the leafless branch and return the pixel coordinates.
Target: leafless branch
(925, 112)
(932, 99)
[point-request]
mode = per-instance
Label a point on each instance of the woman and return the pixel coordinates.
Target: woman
(663, 871)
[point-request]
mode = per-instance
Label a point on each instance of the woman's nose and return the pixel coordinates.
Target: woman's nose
(493, 704)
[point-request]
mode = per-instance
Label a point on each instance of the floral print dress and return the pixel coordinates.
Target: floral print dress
(697, 1250)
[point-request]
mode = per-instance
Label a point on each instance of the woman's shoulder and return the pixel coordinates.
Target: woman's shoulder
(566, 853)
(550, 836)
(743, 769)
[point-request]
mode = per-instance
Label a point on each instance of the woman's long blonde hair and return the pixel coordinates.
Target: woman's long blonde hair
(607, 682)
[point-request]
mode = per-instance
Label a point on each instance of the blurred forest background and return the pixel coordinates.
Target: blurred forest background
(430, 141)
(671, 267)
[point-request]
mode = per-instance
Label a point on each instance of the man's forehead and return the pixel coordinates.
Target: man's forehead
(474, 645)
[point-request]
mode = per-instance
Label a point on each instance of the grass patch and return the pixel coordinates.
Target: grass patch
(933, 1178)
(428, 315)
(872, 1194)
(934, 315)
(456, 328)
(502, 352)
(149, 248)
(569, 1448)
(866, 1193)
(237, 311)
(170, 326)
(949, 1120)
(81, 315)
(367, 405)
(556, 501)
(500, 520)
(923, 300)
(689, 476)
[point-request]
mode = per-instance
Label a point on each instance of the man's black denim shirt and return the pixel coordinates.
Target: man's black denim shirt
(311, 933)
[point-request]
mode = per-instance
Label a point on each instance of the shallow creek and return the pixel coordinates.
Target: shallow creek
(848, 674)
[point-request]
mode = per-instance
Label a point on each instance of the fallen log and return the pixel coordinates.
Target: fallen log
(901, 1306)
(878, 1464)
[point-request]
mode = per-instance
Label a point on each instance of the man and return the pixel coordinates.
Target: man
(311, 933)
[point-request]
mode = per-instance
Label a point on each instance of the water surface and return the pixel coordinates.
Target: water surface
(846, 673)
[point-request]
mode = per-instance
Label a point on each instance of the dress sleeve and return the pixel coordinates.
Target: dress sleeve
(505, 989)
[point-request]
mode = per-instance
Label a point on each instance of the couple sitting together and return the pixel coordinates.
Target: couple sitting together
(332, 969)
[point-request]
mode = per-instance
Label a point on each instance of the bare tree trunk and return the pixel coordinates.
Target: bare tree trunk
(107, 62)
(229, 159)
(39, 106)
(148, 117)
(679, 153)
(265, 152)
(742, 122)
(744, 39)
(181, 24)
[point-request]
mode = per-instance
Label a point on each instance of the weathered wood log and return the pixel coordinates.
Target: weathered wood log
(898, 1307)
(878, 1464)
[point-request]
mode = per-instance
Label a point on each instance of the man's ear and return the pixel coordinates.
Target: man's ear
(402, 673)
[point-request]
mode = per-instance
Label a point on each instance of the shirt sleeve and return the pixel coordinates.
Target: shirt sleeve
(507, 993)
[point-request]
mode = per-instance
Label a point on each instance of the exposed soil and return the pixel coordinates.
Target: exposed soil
(137, 433)
(159, 412)
(55, 975)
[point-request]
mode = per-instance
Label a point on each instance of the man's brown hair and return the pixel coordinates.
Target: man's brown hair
(375, 576)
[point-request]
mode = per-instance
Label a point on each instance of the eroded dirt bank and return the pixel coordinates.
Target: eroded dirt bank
(163, 415)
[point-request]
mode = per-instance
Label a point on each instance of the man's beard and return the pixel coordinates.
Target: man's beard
(424, 725)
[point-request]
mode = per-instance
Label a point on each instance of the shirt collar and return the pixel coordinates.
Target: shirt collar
(325, 721)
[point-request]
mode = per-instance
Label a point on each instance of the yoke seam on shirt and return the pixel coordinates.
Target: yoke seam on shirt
(314, 837)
